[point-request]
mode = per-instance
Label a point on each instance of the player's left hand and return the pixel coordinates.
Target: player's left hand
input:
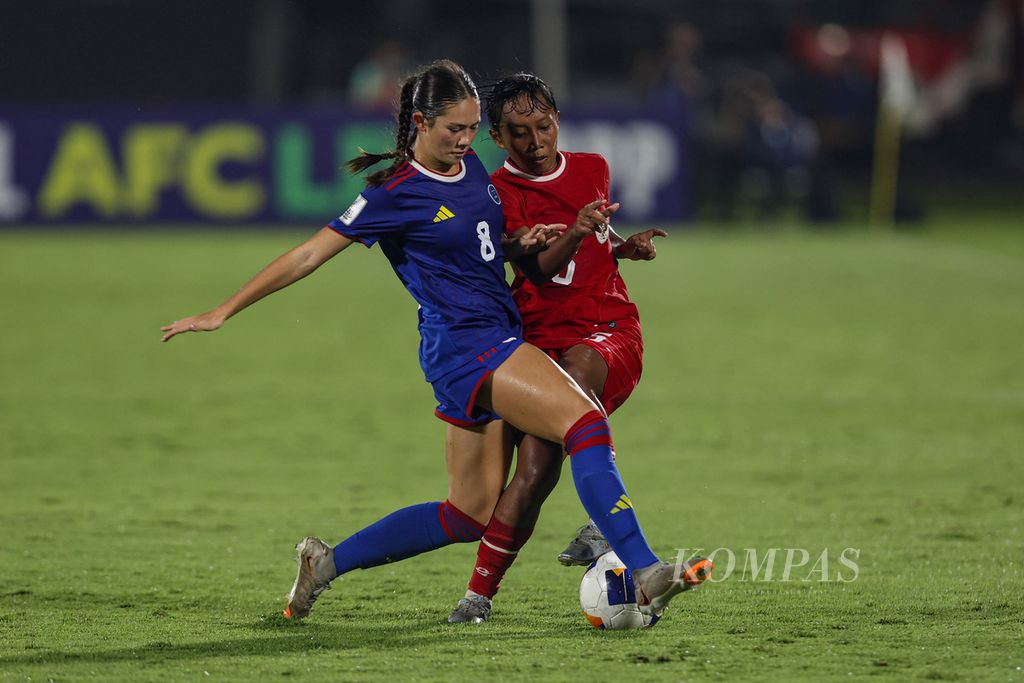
(593, 218)
(640, 247)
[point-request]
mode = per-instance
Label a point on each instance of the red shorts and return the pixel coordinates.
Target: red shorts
(621, 344)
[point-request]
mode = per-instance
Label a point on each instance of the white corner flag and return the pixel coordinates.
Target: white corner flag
(896, 95)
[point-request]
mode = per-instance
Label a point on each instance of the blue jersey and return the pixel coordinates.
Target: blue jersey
(442, 235)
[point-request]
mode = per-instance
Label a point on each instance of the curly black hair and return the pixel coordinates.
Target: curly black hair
(503, 94)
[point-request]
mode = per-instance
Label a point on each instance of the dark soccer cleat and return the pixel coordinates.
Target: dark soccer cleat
(475, 609)
(662, 581)
(316, 571)
(588, 545)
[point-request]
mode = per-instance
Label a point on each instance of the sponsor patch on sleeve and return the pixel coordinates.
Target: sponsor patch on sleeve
(352, 212)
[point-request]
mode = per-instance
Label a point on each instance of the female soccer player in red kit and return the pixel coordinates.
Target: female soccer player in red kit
(574, 306)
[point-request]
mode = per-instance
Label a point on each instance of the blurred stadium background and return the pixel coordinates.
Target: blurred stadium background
(239, 112)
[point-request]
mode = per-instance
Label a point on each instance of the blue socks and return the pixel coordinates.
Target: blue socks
(405, 533)
(602, 492)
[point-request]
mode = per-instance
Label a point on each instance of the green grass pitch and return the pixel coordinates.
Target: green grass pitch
(802, 390)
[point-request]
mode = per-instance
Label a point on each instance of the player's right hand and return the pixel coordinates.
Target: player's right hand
(205, 322)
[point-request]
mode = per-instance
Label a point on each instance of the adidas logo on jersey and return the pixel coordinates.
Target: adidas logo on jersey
(443, 214)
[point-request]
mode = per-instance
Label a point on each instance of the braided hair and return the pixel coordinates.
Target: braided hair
(430, 91)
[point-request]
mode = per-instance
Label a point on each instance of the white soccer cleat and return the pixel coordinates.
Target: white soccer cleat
(657, 584)
(316, 571)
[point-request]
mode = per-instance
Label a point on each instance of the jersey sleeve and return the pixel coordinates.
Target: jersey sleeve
(513, 206)
(373, 216)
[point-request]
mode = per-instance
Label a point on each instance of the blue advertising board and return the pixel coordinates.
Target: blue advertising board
(249, 165)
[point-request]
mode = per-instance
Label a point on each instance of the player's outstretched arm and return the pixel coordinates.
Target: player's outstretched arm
(530, 241)
(287, 268)
(544, 265)
(640, 247)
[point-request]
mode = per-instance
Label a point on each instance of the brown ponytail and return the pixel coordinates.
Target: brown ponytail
(430, 91)
(403, 144)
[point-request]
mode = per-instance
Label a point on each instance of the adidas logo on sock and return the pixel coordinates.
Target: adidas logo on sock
(624, 503)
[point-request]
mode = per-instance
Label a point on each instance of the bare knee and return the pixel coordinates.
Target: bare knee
(479, 506)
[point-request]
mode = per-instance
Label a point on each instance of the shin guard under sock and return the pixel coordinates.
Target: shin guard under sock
(602, 492)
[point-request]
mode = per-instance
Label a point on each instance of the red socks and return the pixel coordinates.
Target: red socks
(496, 553)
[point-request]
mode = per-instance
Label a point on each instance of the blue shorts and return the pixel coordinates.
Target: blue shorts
(456, 391)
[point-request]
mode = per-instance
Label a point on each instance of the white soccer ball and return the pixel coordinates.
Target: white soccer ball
(608, 596)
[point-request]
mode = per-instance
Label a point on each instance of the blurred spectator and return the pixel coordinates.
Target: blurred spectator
(683, 45)
(645, 73)
(836, 89)
(765, 151)
(748, 147)
(673, 79)
(375, 81)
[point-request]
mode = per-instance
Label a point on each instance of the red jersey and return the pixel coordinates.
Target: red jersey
(590, 292)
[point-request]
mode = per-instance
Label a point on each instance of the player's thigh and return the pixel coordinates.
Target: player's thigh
(535, 395)
(478, 460)
(587, 367)
(622, 352)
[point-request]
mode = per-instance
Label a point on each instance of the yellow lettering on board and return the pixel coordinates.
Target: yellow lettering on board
(81, 172)
(206, 188)
(152, 156)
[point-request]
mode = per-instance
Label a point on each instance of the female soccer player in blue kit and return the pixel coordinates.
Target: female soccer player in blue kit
(439, 222)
